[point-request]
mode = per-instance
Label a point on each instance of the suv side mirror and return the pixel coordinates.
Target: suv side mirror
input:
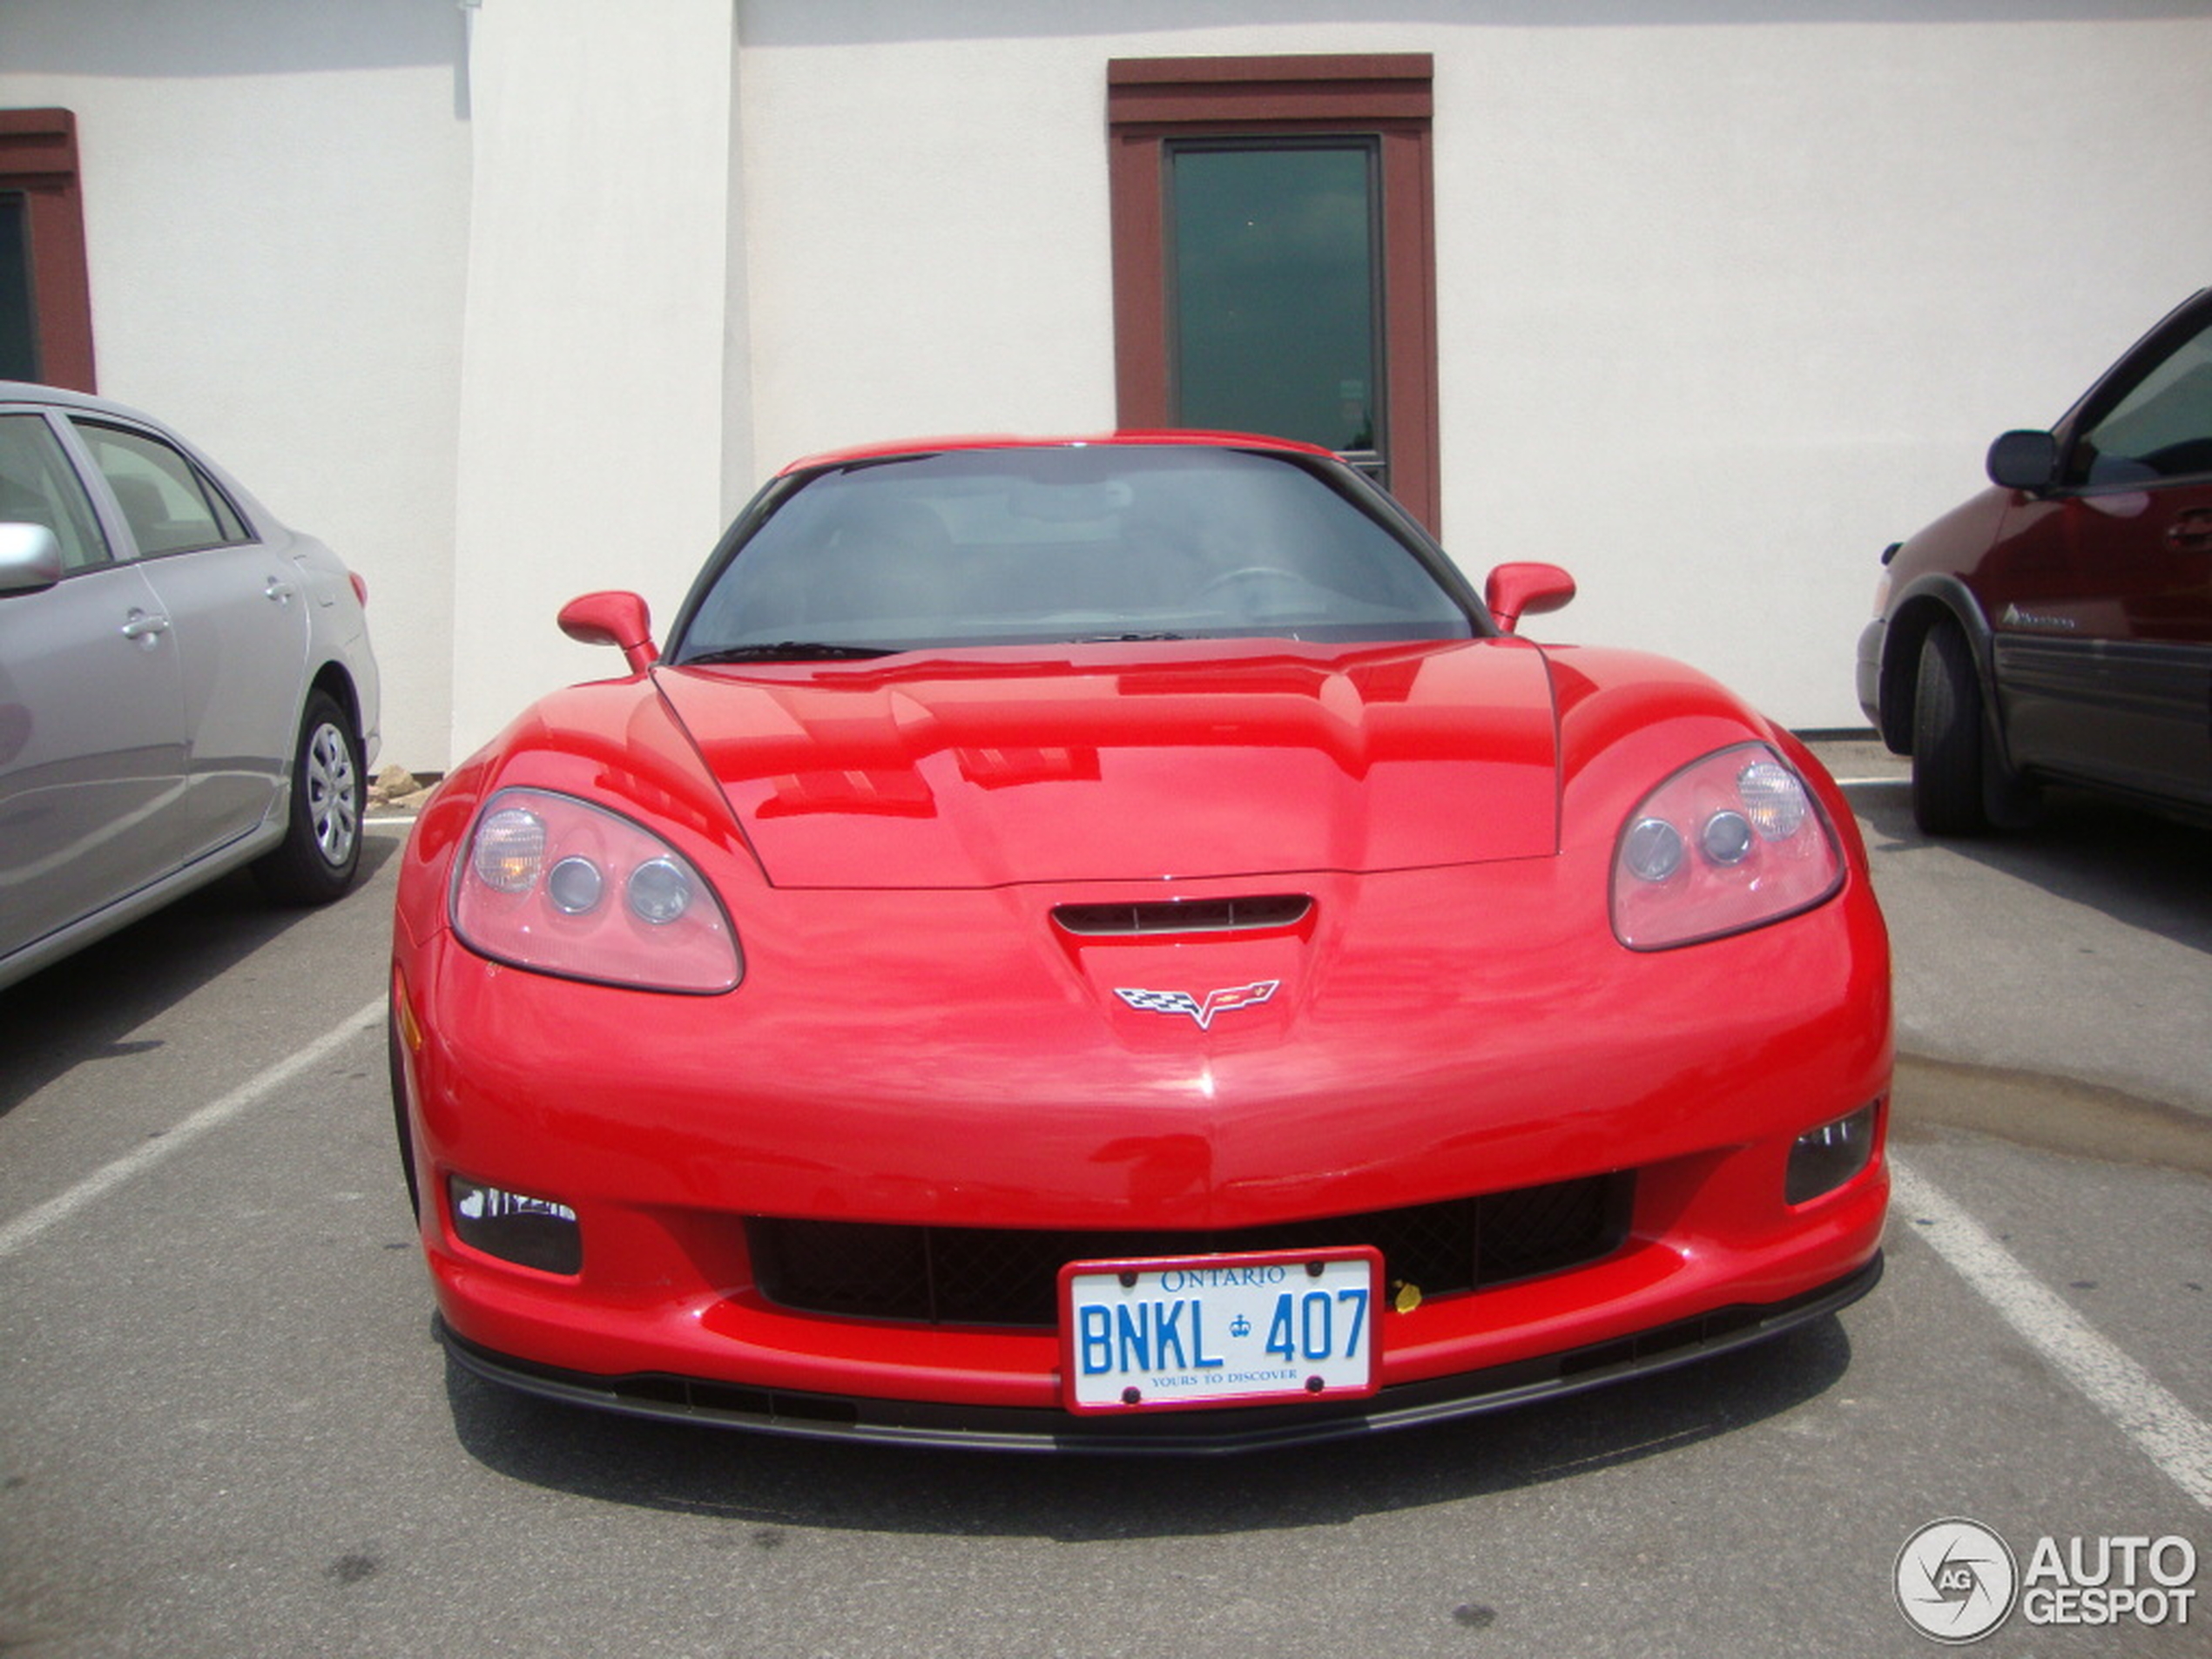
(2026, 461)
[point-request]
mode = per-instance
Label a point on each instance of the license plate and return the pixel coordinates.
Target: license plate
(1165, 1334)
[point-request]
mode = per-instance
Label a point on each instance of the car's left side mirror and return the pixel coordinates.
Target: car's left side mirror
(1524, 590)
(2026, 461)
(613, 618)
(31, 558)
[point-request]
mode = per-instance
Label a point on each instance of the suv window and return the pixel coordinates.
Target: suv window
(168, 504)
(37, 486)
(2161, 428)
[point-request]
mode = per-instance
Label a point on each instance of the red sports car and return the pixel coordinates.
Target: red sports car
(1113, 942)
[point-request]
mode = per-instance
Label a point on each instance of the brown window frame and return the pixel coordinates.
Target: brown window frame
(1150, 101)
(38, 157)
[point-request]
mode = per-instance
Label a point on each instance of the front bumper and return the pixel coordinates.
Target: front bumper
(1870, 670)
(1401, 1065)
(1442, 1399)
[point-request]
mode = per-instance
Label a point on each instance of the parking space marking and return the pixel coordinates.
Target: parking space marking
(2174, 1438)
(28, 1227)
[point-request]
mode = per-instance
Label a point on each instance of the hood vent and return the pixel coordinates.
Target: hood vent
(1262, 913)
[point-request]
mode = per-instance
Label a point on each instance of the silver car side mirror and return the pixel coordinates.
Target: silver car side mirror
(30, 559)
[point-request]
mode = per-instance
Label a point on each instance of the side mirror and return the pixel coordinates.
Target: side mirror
(2026, 461)
(31, 558)
(613, 618)
(1517, 590)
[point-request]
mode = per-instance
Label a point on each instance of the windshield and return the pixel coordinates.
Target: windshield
(1064, 543)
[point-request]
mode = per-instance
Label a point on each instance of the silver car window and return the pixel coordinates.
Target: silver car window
(170, 507)
(37, 486)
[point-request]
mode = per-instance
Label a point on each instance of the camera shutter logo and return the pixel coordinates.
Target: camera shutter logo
(1956, 1581)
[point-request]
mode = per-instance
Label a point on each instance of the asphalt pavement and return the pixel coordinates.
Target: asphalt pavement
(225, 1428)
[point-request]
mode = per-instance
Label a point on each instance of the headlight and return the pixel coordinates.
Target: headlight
(559, 886)
(1732, 842)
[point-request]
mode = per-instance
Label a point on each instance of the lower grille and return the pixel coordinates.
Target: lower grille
(1010, 1277)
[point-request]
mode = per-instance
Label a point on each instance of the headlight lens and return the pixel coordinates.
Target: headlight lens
(560, 887)
(1729, 843)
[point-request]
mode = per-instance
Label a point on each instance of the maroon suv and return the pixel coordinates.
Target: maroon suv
(2058, 627)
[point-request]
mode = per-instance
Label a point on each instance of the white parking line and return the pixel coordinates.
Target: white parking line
(29, 1225)
(2174, 1438)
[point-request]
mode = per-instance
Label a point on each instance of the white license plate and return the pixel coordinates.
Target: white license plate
(1240, 1330)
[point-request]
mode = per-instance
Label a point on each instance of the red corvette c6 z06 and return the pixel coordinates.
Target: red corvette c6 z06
(1113, 943)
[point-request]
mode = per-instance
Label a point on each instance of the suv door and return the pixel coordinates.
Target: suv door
(240, 623)
(91, 727)
(2099, 590)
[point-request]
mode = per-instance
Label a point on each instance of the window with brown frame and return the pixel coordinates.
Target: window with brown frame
(45, 296)
(1274, 263)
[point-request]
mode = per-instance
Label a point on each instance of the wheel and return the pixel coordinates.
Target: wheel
(322, 849)
(1947, 737)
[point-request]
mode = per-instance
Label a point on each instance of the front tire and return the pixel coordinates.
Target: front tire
(321, 849)
(1947, 737)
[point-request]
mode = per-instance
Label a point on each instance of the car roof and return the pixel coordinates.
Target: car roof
(1151, 438)
(63, 397)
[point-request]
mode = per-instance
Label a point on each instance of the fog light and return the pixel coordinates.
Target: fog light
(530, 1232)
(1825, 1158)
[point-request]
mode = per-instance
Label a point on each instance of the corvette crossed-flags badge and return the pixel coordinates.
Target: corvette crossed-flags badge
(1200, 1008)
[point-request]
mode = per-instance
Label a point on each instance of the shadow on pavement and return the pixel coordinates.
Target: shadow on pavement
(772, 1483)
(2146, 872)
(85, 1007)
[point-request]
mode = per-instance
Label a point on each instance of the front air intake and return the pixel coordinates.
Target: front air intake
(1262, 913)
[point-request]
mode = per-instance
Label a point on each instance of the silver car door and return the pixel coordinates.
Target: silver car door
(239, 613)
(91, 733)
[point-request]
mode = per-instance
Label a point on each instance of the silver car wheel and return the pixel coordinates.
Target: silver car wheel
(333, 794)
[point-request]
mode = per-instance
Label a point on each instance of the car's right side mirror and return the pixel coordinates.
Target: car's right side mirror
(30, 559)
(2026, 461)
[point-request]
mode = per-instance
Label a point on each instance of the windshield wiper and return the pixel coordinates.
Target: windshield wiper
(790, 651)
(1121, 639)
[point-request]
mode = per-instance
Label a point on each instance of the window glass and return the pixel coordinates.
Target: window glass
(1273, 287)
(18, 321)
(168, 505)
(1067, 543)
(2160, 429)
(37, 486)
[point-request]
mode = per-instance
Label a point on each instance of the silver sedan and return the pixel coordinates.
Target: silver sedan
(185, 685)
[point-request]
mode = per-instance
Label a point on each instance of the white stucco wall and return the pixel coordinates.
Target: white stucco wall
(1726, 305)
(275, 201)
(595, 393)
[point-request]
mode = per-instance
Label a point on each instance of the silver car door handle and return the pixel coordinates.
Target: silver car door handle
(280, 591)
(139, 625)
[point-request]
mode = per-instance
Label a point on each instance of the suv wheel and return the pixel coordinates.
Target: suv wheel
(1947, 737)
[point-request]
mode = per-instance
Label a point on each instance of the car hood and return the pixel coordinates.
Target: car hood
(1198, 760)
